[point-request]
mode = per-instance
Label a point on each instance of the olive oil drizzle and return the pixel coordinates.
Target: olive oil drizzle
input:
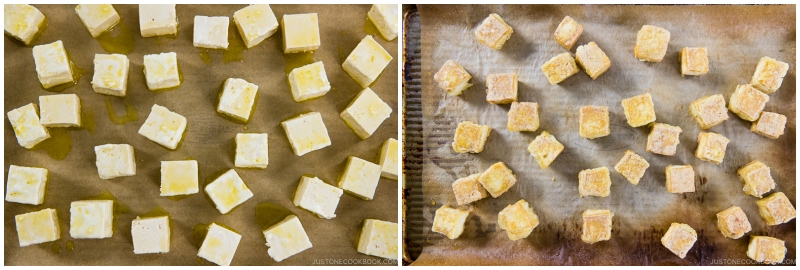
(118, 39)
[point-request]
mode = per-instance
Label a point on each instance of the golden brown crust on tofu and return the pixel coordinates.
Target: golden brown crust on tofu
(518, 220)
(594, 182)
(769, 75)
(545, 148)
(632, 167)
(680, 178)
(468, 189)
(679, 239)
(766, 250)
(711, 147)
(592, 59)
(559, 68)
(452, 78)
(651, 43)
(523, 116)
(694, 61)
(747, 102)
(501, 88)
(594, 122)
(756, 178)
(493, 32)
(663, 139)
(769, 125)
(733, 223)
(709, 111)
(596, 225)
(497, 179)
(776, 209)
(639, 110)
(470, 137)
(449, 221)
(568, 32)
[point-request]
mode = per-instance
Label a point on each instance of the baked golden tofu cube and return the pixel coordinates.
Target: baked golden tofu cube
(651, 43)
(518, 220)
(769, 75)
(663, 139)
(596, 225)
(709, 111)
(747, 102)
(559, 68)
(770, 125)
(594, 122)
(639, 110)
(594, 182)
(694, 61)
(470, 137)
(523, 116)
(679, 239)
(592, 59)
(452, 78)
(545, 148)
(449, 221)
(711, 147)
(493, 32)
(501, 88)
(632, 167)
(680, 178)
(766, 250)
(568, 32)
(756, 178)
(733, 223)
(776, 209)
(497, 179)
(469, 190)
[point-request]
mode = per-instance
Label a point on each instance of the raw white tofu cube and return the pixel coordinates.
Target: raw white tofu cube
(237, 99)
(115, 160)
(366, 113)
(60, 110)
(179, 177)
(309, 81)
(26, 184)
(52, 64)
(286, 238)
(385, 19)
(389, 161)
(252, 150)
(37, 227)
(22, 21)
(378, 238)
(97, 18)
(219, 245)
(360, 177)
(27, 127)
(164, 127)
(367, 61)
(306, 133)
(300, 32)
(228, 191)
(255, 23)
(111, 74)
(91, 219)
(158, 20)
(161, 71)
(317, 196)
(211, 32)
(150, 235)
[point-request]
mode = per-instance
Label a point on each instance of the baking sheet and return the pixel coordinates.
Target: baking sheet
(736, 37)
(209, 140)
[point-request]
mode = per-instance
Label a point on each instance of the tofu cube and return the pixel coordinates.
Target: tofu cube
(179, 177)
(680, 178)
(91, 219)
(228, 191)
(26, 185)
(252, 150)
(592, 59)
(594, 122)
(300, 32)
(733, 223)
(360, 178)
(756, 178)
(317, 196)
(709, 111)
(469, 189)
(594, 182)
(37, 227)
(639, 110)
(161, 71)
(663, 139)
(306, 133)
(255, 23)
(389, 160)
(211, 32)
(523, 116)
(769, 75)
(449, 221)
(164, 127)
(309, 81)
(497, 179)
(220, 245)
(60, 110)
(679, 239)
(27, 127)
(596, 225)
(651, 43)
(452, 78)
(111, 74)
(286, 238)
(366, 113)
(632, 167)
(470, 137)
(150, 235)
(158, 20)
(22, 21)
(493, 32)
(52, 65)
(367, 61)
(545, 149)
(238, 99)
(711, 147)
(776, 209)
(559, 68)
(766, 250)
(378, 238)
(518, 220)
(568, 32)
(384, 17)
(747, 102)
(115, 160)
(770, 125)
(97, 18)
(694, 61)
(501, 88)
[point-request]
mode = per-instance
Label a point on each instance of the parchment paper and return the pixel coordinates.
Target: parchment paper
(736, 37)
(209, 140)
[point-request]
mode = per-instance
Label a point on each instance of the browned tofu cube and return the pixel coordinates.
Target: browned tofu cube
(651, 43)
(594, 182)
(766, 250)
(449, 221)
(769, 74)
(632, 167)
(733, 223)
(756, 178)
(497, 179)
(594, 122)
(776, 209)
(694, 61)
(493, 32)
(747, 102)
(559, 68)
(568, 32)
(663, 139)
(592, 59)
(639, 110)
(709, 111)
(596, 225)
(545, 148)
(711, 147)
(470, 137)
(523, 116)
(680, 178)
(518, 220)
(501, 88)
(469, 190)
(452, 78)
(770, 125)
(679, 239)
